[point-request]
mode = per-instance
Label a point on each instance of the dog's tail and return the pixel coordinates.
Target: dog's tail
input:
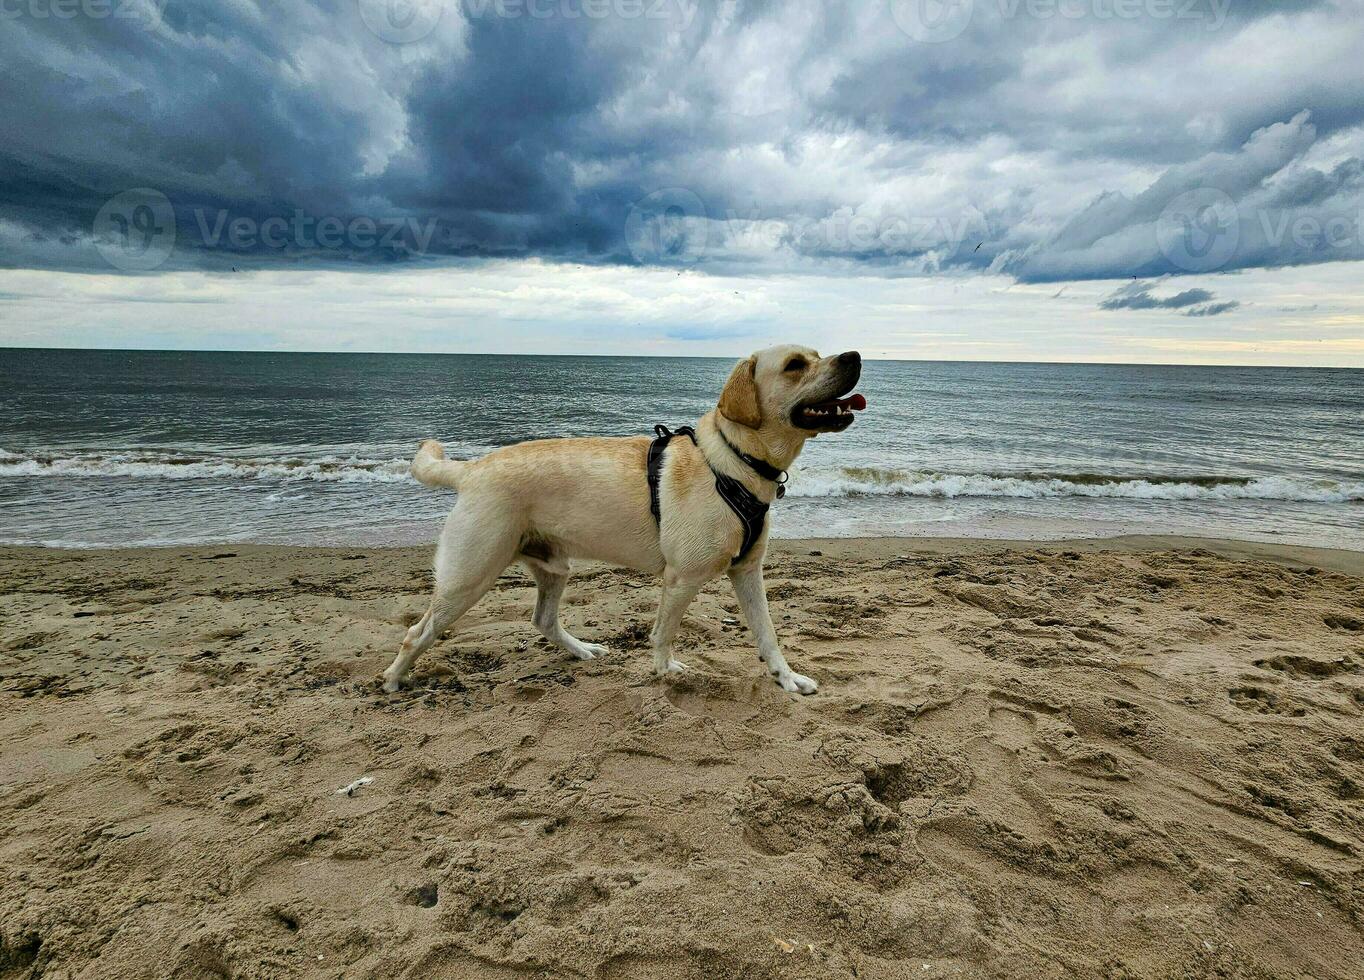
(432, 468)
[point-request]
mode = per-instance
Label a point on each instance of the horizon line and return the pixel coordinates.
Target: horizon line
(699, 357)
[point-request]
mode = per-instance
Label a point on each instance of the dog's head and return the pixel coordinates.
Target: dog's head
(794, 389)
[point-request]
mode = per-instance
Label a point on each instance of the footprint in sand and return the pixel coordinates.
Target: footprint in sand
(1307, 668)
(1260, 701)
(702, 696)
(1013, 730)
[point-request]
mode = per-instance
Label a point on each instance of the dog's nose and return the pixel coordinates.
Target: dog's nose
(850, 358)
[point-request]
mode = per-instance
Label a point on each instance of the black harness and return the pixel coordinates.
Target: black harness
(751, 511)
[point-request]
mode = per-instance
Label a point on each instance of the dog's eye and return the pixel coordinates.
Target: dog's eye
(796, 364)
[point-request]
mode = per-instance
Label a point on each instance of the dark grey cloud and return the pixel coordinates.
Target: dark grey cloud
(1213, 309)
(810, 135)
(1139, 296)
(1142, 296)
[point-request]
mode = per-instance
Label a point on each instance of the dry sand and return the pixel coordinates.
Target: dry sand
(1128, 758)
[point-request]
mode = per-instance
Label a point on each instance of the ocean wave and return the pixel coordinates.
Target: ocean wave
(186, 466)
(860, 481)
(843, 481)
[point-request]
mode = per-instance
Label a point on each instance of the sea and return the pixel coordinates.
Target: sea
(156, 448)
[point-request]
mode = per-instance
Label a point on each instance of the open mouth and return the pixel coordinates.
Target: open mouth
(834, 415)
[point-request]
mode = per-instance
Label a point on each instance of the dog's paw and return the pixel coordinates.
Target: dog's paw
(590, 651)
(392, 685)
(797, 683)
(674, 667)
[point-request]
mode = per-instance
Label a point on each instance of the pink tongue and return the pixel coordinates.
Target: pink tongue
(857, 403)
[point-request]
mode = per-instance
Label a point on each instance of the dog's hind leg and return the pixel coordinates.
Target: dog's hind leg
(550, 590)
(473, 551)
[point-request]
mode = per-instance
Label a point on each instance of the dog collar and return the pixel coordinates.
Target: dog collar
(760, 466)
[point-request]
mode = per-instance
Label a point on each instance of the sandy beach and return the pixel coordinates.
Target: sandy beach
(1129, 758)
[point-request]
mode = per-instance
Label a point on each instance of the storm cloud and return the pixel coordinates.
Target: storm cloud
(1048, 142)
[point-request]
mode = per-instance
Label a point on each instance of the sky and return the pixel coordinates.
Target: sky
(1167, 181)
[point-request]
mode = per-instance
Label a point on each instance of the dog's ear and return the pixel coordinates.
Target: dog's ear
(739, 400)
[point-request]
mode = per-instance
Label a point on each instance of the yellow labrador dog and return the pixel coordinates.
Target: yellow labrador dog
(545, 502)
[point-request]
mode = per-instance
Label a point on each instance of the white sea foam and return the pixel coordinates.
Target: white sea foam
(829, 482)
(873, 481)
(176, 466)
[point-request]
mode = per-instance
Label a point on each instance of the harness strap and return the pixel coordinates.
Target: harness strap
(654, 470)
(760, 466)
(751, 511)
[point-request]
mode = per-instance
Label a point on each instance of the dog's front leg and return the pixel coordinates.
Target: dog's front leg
(752, 594)
(678, 592)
